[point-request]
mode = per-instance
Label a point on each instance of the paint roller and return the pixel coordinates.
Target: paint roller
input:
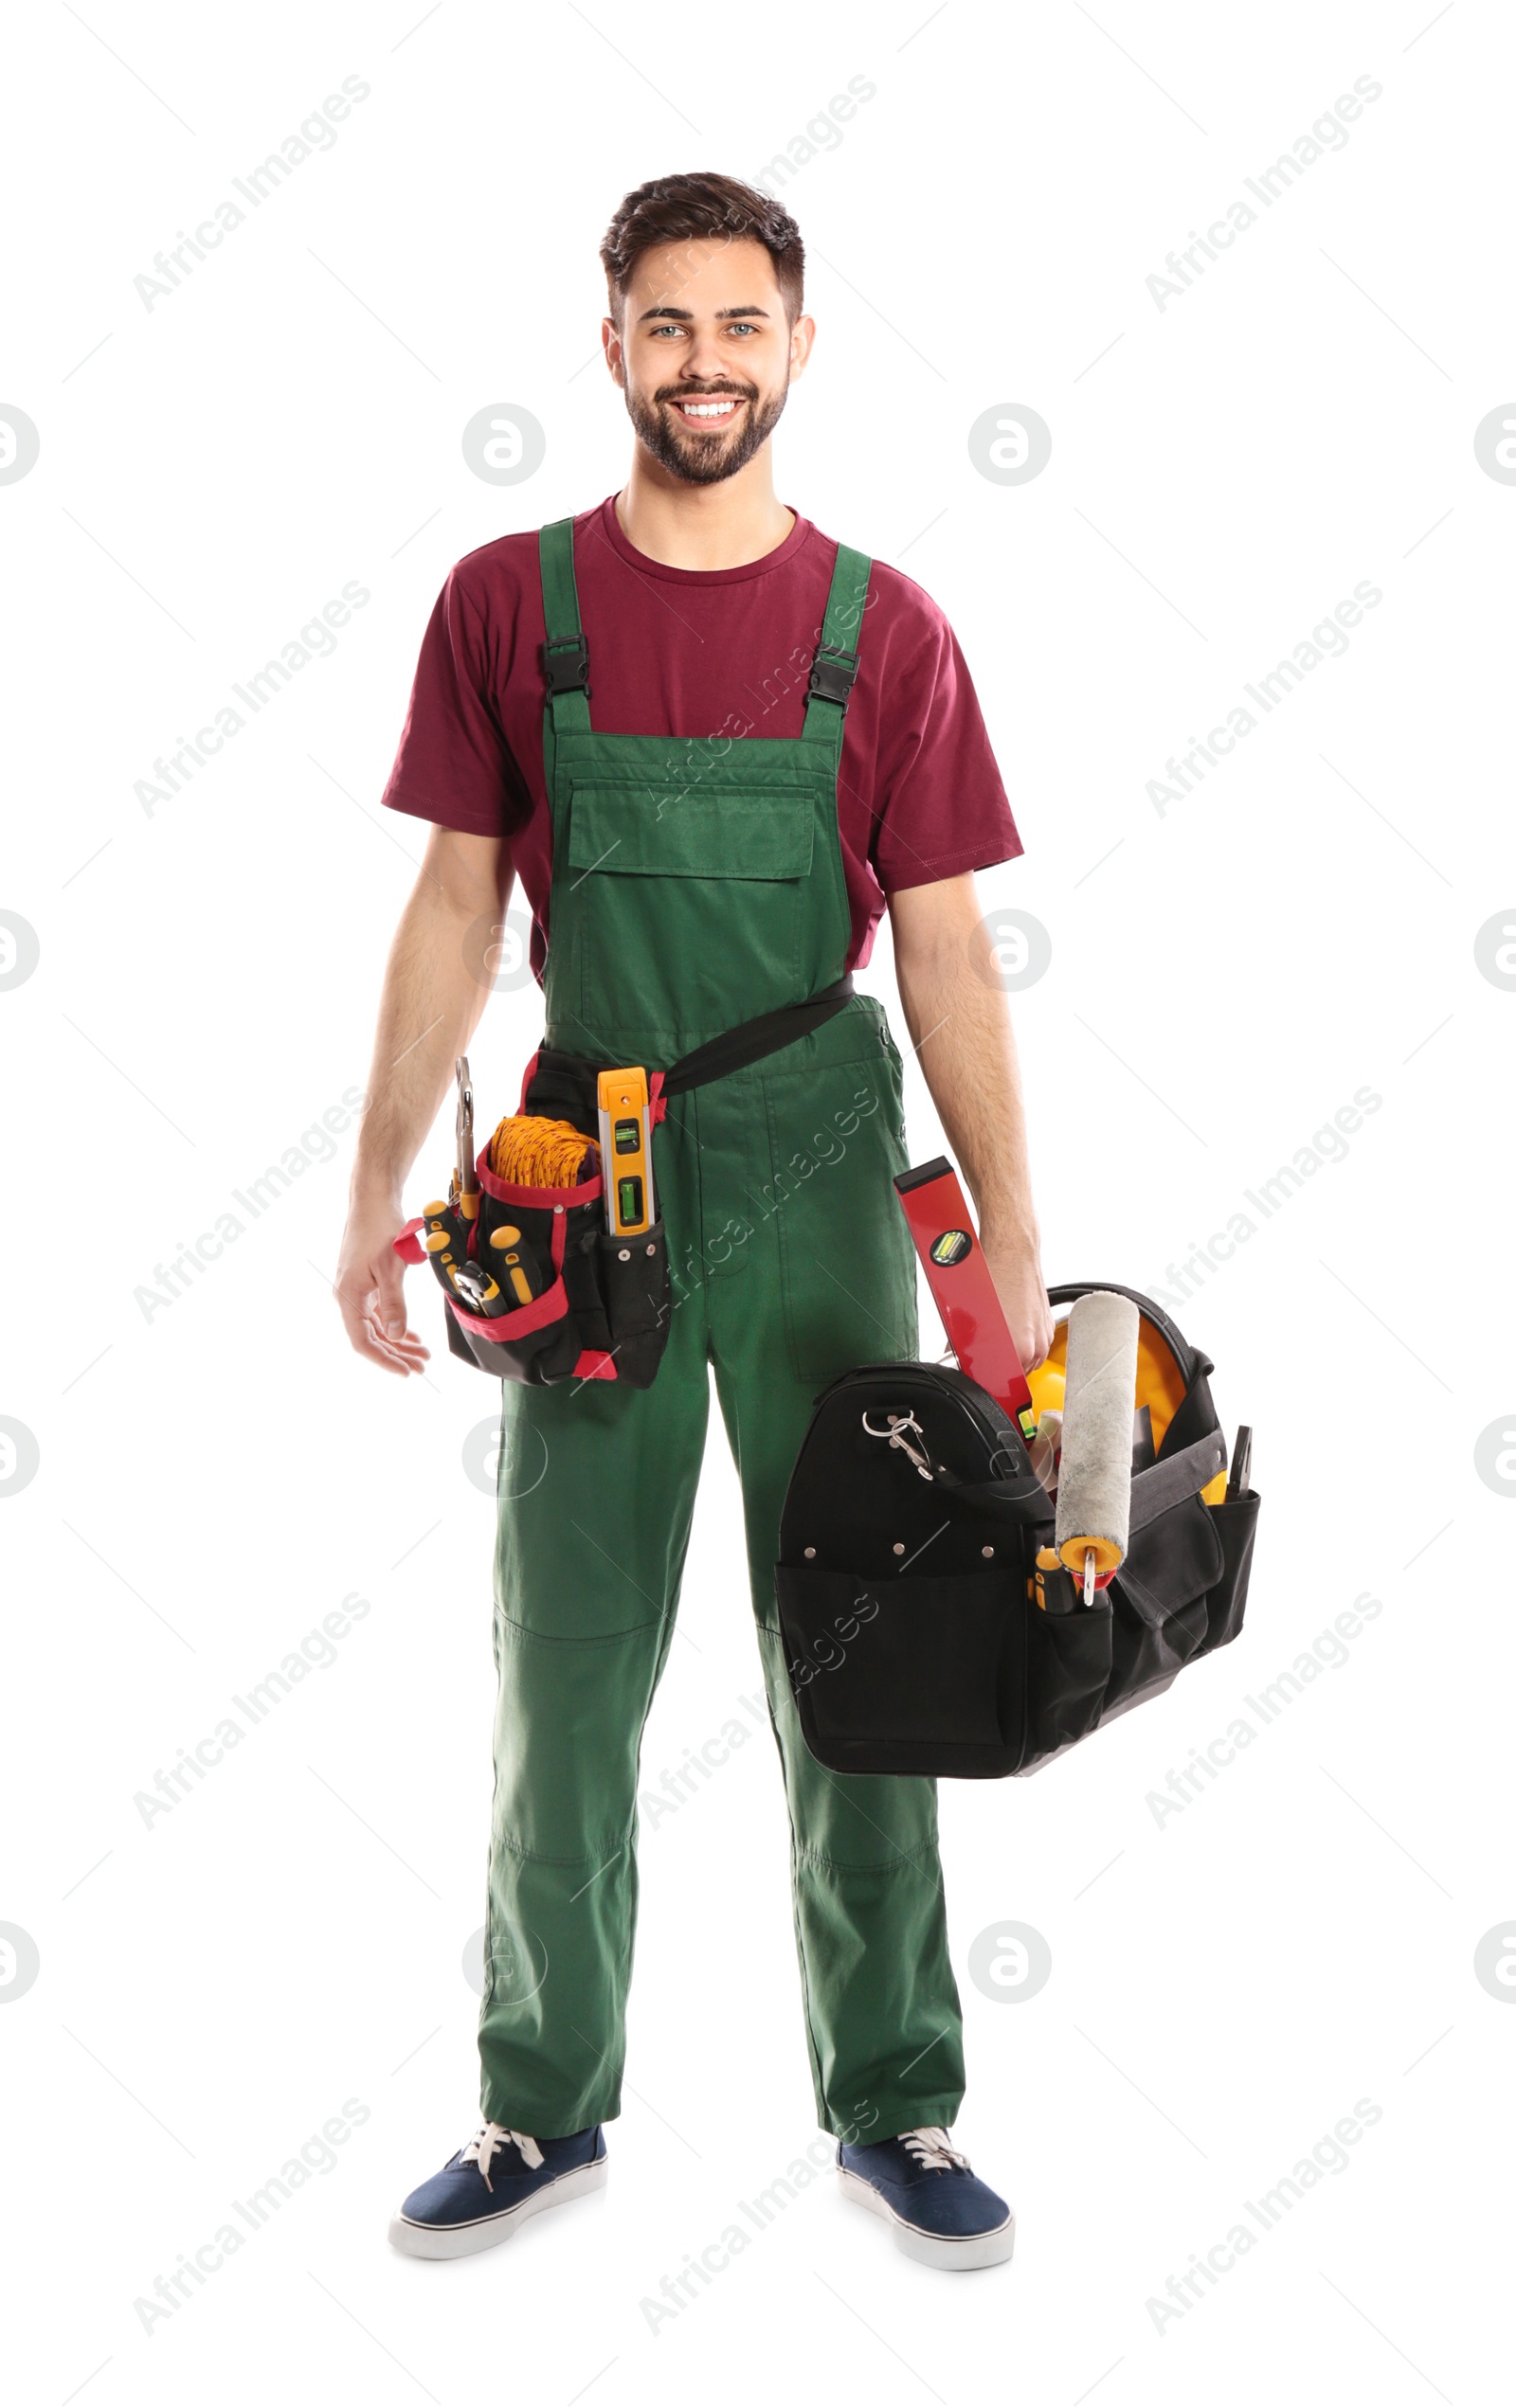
(1094, 1469)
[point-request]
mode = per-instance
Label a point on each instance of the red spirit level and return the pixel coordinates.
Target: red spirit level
(942, 1231)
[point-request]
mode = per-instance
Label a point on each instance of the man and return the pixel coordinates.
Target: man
(782, 737)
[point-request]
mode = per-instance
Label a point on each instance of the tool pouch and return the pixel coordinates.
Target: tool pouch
(599, 1307)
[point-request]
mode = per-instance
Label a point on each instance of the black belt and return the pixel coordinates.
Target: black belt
(562, 1078)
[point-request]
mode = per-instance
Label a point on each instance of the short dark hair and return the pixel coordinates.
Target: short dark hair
(683, 208)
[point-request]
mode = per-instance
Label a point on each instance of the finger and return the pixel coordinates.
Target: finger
(391, 1361)
(389, 1274)
(354, 1305)
(407, 1354)
(374, 1351)
(1038, 1342)
(365, 1310)
(411, 1347)
(365, 1336)
(403, 1338)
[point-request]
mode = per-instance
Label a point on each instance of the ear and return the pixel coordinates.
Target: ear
(801, 338)
(615, 355)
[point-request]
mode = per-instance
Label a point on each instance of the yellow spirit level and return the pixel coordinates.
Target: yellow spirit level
(625, 1151)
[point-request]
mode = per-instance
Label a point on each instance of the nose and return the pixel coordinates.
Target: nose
(703, 364)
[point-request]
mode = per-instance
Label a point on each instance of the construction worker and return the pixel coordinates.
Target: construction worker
(812, 714)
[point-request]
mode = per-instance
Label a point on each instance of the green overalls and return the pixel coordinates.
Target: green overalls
(696, 885)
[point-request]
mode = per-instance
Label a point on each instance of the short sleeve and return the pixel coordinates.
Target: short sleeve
(943, 808)
(454, 765)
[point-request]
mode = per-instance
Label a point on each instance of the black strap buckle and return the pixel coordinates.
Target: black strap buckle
(565, 664)
(832, 673)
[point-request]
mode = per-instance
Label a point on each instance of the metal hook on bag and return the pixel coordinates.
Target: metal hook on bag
(896, 1433)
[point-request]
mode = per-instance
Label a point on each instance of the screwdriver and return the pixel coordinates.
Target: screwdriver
(470, 1281)
(507, 1239)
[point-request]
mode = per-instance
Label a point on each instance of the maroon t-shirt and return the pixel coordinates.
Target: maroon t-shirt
(703, 653)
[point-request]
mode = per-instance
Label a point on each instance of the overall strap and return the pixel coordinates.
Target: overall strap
(836, 664)
(566, 654)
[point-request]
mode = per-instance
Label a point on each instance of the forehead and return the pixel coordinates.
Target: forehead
(704, 277)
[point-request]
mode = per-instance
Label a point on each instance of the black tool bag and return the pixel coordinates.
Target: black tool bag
(920, 1633)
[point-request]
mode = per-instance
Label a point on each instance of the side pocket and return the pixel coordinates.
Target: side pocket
(522, 1241)
(1235, 1520)
(1068, 1671)
(909, 1674)
(581, 1276)
(536, 1343)
(526, 1340)
(1160, 1600)
(527, 1258)
(634, 1283)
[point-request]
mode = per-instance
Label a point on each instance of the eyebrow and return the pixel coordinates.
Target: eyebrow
(665, 308)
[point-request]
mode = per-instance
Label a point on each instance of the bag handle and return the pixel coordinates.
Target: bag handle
(1155, 1491)
(1167, 1484)
(1188, 1357)
(1022, 1499)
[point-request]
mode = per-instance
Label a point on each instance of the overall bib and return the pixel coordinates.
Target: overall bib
(696, 885)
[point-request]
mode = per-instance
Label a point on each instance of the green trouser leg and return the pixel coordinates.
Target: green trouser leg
(829, 1282)
(790, 1264)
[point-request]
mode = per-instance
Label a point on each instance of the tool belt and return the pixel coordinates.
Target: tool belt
(600, 1302)
(921, 1634)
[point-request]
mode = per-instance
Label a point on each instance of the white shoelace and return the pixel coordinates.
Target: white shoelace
(931, 2148)
(493, 2136)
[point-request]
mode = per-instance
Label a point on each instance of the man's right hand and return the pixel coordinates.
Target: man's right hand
(436, 981)
(370, 1289)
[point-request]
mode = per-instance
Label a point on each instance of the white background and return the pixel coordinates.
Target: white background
(213, 1479)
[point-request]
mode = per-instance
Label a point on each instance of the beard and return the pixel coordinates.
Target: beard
(689, 452)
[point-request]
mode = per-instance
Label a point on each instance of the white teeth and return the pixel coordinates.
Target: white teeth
(707, 409)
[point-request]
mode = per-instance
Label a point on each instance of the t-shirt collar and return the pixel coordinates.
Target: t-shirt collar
(609, 526)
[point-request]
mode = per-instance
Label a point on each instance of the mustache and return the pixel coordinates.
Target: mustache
(708, 393)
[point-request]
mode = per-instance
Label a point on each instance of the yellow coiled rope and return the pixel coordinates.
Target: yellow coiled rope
(533, 1152)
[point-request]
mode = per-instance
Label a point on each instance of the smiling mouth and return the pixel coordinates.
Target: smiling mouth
(709, 410)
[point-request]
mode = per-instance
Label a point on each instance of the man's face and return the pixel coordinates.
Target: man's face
(704, 355)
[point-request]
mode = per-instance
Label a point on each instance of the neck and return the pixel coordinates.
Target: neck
(686, 526)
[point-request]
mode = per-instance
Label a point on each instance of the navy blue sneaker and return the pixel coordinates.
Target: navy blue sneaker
(488, 2190)
(942, 2213)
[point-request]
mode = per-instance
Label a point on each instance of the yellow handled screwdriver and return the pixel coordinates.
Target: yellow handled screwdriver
(507, 1241)
(469, 1281)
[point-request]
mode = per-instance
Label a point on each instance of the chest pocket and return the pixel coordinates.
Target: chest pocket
(687, 903)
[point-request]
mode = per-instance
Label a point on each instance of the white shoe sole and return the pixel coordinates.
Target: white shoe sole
(462, 2240)
(933, 2248)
